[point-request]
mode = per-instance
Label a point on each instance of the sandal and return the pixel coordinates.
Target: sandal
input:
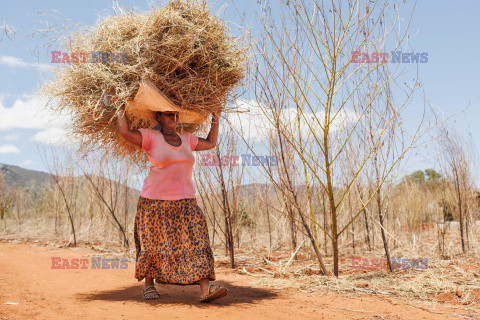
(150, 293)
(217, 293)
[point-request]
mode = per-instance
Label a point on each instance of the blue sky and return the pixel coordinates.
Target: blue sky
(447, 30)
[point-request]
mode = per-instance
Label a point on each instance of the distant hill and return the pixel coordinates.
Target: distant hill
(24, 178)
(33, 181)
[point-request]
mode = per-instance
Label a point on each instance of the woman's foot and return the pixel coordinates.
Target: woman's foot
(213, 293)
(150, 293)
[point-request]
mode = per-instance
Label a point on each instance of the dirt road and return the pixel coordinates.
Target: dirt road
(27, 278)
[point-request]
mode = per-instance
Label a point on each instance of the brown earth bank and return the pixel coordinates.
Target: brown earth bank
(31, 289)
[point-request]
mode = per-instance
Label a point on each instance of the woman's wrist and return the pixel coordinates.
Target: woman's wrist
(121, 110)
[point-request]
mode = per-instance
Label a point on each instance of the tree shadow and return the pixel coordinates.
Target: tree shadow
(181, 294)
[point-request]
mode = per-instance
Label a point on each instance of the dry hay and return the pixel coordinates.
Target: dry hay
(182, 48)
(430, 285)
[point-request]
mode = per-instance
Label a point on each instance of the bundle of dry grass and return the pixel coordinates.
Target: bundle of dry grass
(181, 48)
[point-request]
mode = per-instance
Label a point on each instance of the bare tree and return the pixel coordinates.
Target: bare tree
(219, 181)
(108, 181)
(6, 198)
(458, 162)
(62, 174)
(318, 95)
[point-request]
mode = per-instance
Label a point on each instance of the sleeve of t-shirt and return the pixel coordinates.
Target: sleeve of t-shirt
(146, 138)
(193, 139)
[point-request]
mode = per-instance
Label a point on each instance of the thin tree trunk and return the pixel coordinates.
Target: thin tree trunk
(314, 245)
(269, 230)
(466, 216)
(293, 229)
(460, 211)
(353, 223)
(367, 231)
(125, 212)
(333, 209)
(382, 229)
(228, 218)
(70, 216)
(324, 224)
(292, 191)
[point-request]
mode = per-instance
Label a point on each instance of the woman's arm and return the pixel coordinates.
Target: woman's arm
(133, 136)
(211, 140)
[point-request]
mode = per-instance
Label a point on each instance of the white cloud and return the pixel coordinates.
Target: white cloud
(27, 163)
(53, 135)
(8, 148)
(11, 137)
(29, 113)
(15, 62)
(251, 122)
(256, 122)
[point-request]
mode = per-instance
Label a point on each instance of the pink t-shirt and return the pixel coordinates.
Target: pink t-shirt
(170, 176)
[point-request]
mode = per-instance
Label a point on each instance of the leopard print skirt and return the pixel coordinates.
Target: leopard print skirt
(171, 238)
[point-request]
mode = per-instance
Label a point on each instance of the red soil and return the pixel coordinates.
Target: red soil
(44, 293)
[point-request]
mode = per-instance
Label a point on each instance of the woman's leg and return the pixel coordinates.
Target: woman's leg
(144, 207)
(148, 281)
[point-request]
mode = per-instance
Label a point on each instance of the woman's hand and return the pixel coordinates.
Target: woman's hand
(132, 136)
(216, 116)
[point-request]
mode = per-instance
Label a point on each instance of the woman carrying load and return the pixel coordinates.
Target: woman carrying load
(171, 235)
